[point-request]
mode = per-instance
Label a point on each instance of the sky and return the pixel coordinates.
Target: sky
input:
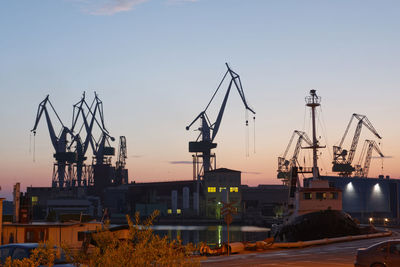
(156, 63)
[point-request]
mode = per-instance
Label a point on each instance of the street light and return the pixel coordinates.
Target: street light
(371, 220)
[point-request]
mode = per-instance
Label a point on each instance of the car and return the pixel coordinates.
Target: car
(19, 251)
(382, 254)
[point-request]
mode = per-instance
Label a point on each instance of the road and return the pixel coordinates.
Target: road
(337, 254)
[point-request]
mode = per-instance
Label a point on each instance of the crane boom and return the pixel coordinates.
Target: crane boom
(42, 108)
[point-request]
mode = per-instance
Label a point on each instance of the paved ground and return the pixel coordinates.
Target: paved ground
(337, 254)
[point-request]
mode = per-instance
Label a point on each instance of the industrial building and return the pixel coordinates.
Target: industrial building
(365, 198)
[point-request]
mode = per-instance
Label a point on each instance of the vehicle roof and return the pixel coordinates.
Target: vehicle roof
(20, 245)
(384, 242)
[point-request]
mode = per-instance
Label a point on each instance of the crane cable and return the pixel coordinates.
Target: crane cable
(247, 134)
(34, 148)
(254, 121)
(325, 134)
(30, 142)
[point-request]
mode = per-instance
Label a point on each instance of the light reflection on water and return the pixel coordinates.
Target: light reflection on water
(212, 235)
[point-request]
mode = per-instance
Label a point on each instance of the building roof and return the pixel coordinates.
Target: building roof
(49, 224)
(328, 189)
(180, 182)
(223, 170)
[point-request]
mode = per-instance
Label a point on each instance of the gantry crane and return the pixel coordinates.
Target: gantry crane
(342, 159)
(64, 158)
(285, 165)
(363, 169)
(208, 131)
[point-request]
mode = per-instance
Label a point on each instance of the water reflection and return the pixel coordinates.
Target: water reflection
(212, 235)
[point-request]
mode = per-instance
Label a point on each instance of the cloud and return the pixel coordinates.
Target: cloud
(111, 7)
(107, 7)
(181, 1)
(379, 157)
(136, 156)
(181, 162)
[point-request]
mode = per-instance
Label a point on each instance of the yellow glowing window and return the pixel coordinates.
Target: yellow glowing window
(178, 211)
(307, 196)
(234, 189)
(212, 189)
(34, 200)
(222, 188)
(169, 211)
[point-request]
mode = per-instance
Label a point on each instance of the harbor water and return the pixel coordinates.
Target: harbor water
(213, 235)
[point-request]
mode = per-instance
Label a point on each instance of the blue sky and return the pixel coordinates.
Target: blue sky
(156, 63)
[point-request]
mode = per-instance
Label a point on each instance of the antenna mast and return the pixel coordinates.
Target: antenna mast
(314, 101)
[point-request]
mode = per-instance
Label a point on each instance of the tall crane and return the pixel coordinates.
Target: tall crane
(63, 157)
(81, 146)
(121, 174)
(342, 159)
(101, 146)
(208, 130)
(285, 165)
(369, 146)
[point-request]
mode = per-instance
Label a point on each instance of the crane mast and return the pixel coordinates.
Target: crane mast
(208, 131)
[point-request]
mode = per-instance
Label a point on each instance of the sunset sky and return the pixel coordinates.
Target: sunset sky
(156, 63)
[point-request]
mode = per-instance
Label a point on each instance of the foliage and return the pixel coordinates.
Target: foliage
(278, 210)
(44, 254)
(141, 248)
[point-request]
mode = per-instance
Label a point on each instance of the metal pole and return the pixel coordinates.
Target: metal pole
(227, 226)
(315, 144)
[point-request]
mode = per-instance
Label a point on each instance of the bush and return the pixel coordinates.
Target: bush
(44, 254)
(142, 248)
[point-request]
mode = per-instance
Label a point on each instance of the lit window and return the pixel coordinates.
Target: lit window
(333, 195)
(178, 211)
(169, 211)
(212, 189)
(222, 188)
(234, 189)
(307, 195)
(34, 200)
(320, 195)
